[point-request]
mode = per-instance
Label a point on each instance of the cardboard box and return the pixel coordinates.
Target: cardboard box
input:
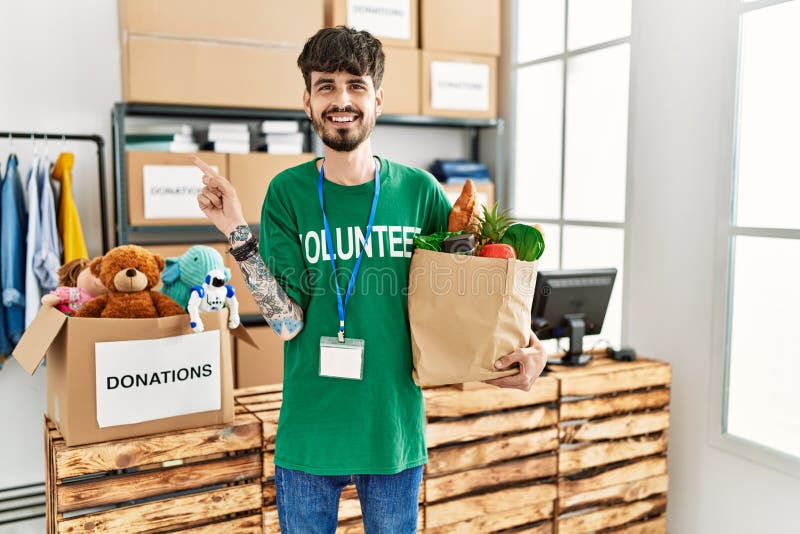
(262, 365)
(484, 190)
(401, 81)
(91, 387)
(210, 73)
(253, 21)
(251, 173)
(169, 193)
(459, 86)
(394, 22)
(462, 26)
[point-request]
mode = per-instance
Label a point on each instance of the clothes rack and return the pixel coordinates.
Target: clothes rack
(96, 139)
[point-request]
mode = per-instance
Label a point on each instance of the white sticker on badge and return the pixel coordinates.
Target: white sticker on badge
(341, 360)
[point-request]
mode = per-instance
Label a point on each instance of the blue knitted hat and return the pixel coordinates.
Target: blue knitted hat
(189, 270)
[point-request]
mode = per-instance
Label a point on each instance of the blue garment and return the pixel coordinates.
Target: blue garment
(33, 293)
(47, 255)
(5, 344)
(13, 233)
(309, 504)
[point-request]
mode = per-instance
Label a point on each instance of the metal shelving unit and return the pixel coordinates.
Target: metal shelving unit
(149, 235)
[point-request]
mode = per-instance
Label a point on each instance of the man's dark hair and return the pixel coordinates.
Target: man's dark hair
(342, 48)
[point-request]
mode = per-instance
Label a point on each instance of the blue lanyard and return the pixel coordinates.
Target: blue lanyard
(328, 240)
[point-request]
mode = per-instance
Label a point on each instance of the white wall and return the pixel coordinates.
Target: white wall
(683, 55)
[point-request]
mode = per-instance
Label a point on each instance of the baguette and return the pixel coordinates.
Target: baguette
(463, 209)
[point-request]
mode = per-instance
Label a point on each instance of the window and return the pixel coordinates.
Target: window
(760, 406)
(569, 131)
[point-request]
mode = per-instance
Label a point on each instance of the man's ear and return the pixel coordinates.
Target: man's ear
(307, 103)
(379, 100)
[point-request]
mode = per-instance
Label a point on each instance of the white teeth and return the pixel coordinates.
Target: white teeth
(342, 119)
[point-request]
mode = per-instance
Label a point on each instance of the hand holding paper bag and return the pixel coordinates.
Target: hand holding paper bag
(530, 361)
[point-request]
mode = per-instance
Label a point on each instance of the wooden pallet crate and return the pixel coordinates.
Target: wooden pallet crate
(492, 458)
(200, 480)
(264, 403)
(612, 464)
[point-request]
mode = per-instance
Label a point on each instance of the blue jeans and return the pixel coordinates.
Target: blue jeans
(309, 504)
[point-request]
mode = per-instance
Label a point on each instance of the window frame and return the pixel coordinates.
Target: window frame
(513, 67)
(724, 262)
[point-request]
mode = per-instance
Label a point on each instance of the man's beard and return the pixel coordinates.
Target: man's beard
(343, 139)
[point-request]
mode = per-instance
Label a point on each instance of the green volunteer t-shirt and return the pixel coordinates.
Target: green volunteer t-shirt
(336, 426)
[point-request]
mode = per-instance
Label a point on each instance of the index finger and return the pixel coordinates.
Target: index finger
(203, 166)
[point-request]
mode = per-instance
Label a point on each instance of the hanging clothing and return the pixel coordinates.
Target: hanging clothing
(5, 344)
(13, 234)
(69, 222)
(47, 255)
(33, 294)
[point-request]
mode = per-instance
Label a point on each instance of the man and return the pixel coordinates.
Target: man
(343, 224)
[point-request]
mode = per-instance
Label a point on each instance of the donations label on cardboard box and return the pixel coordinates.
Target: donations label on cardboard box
(459, 85)
(170, 191)
(143, 380)
(382, 18)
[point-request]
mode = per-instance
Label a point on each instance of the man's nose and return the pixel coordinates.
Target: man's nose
(343, 99)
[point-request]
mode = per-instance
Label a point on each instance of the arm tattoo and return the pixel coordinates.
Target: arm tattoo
(282, 313)
(239, 235)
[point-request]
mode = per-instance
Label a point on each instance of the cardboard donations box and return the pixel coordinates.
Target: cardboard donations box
(465, 312)
(458, 85)
(394, 22)
(110, 379)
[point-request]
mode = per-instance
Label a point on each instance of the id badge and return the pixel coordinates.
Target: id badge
(341, 360)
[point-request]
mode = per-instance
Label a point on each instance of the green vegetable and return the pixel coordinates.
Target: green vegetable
(433, 241)
(526, 240)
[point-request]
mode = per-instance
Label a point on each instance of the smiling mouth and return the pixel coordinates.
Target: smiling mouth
(342, 119)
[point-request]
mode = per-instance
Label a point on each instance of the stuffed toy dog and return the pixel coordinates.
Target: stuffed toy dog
(128, 272)
(188, 270)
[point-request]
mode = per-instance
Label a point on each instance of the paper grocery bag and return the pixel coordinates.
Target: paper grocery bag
(465, 312)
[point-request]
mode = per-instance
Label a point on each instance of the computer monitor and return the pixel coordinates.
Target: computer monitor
(571, 303)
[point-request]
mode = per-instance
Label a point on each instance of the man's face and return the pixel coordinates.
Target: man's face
(343, 108)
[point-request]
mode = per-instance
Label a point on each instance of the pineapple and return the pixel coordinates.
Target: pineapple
(492, 225)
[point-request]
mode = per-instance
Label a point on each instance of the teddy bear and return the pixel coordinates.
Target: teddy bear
(128, 272)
